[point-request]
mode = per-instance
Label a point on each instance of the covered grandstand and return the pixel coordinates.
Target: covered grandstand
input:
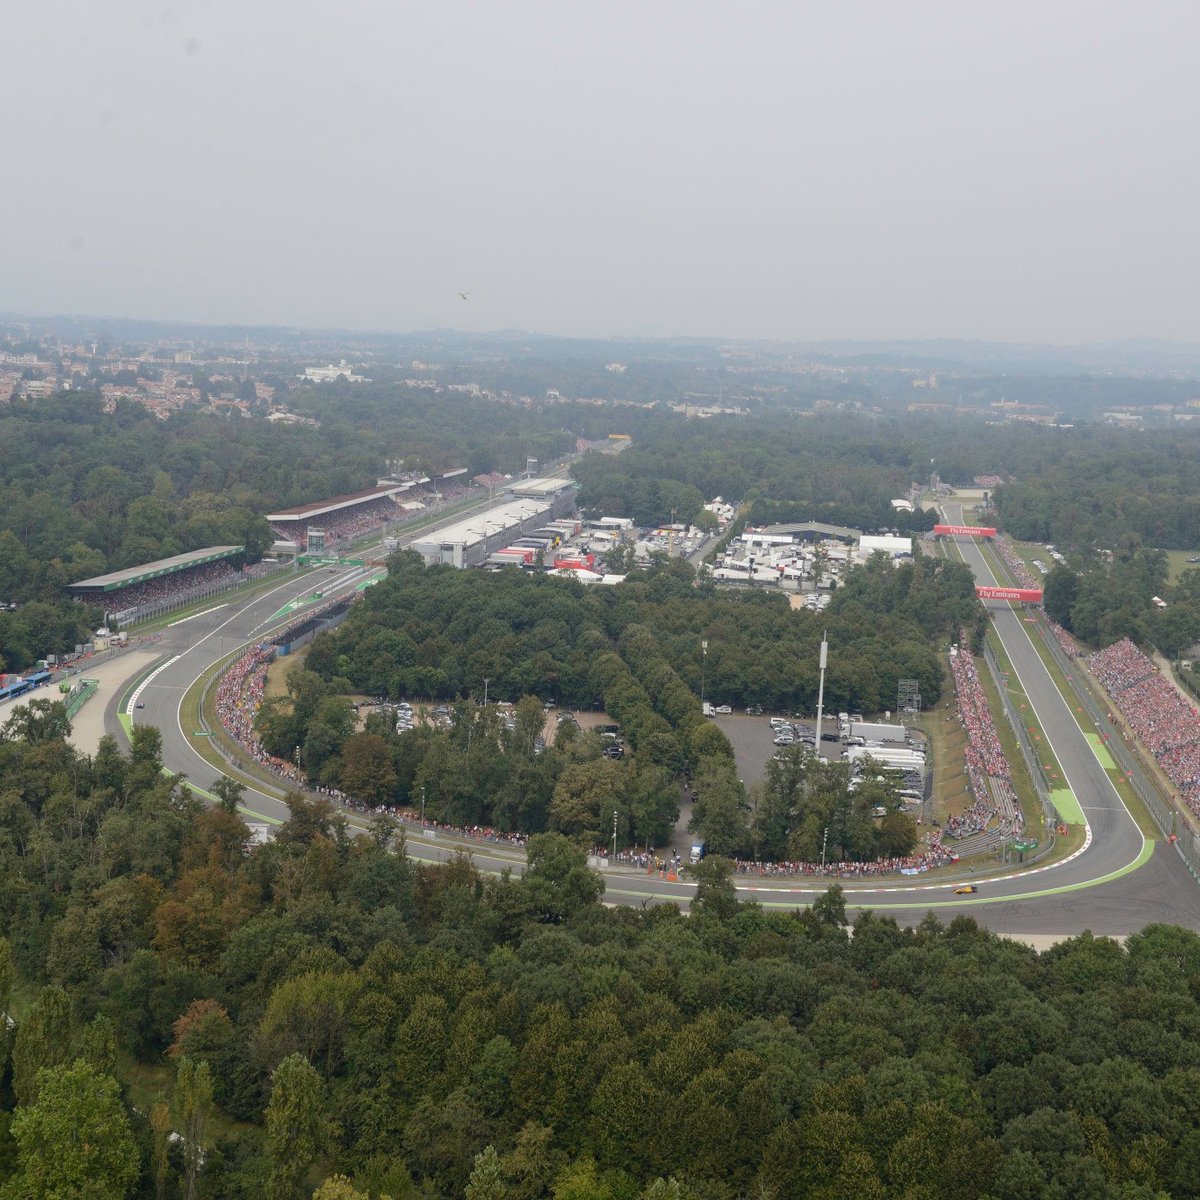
(341, 518)
(156, 586)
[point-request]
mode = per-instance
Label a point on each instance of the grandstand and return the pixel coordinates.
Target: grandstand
(341, 518)
(126, 593)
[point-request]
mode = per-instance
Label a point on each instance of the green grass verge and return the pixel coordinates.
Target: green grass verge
(243, 592)
(1177, 563)
(1027, 797)
(1068, 688)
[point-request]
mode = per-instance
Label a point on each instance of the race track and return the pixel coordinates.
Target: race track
(1116, 885)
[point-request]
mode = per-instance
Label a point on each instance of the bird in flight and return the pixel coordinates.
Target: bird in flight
(463, 295)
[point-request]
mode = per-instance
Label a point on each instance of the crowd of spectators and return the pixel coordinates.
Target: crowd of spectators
(1015, 563)
(1165, 722)
(130, 602)
(934, 855)
(479, 833)
(490, 480)
(983, 755)
(343, 525)
(1065, 640)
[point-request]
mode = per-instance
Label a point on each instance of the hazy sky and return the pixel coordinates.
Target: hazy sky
(799, 169)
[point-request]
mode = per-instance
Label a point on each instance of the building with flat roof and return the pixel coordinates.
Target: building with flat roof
(541, 489)
(468, 542)
(894, 547)
(815, 529)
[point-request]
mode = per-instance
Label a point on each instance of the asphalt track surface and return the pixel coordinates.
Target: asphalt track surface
(1115, 885)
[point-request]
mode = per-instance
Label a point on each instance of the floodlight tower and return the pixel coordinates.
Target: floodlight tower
(821, 689)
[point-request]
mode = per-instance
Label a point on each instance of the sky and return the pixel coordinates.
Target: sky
(803, 170)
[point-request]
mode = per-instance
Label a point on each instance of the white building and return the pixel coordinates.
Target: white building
(893, 547)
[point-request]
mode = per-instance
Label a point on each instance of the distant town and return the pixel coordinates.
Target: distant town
(236, 371)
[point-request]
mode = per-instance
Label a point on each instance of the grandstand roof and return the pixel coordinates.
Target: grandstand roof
(540, 487)
(302, 512)
(116, 580)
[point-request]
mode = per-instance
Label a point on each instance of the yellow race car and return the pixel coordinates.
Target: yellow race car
(967, 889)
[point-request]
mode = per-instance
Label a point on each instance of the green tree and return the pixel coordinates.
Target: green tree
(74, 1140)
(367, 772)
(715, 890)
(1059, 593)
(487, 1178)
(40, 720)
(228, 792)
(98, 1045)
(5, 976)
(297, 1131)
(193, 1106)
(338, 1187)
(557, 881)
(43, 1040)
(160, 1126)
(829, 908)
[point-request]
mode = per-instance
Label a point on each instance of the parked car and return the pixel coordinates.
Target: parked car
(724, 709)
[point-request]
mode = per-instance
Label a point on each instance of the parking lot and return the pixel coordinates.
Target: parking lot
(753, 742)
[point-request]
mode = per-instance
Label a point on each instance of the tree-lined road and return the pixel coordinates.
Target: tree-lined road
(1142, 882)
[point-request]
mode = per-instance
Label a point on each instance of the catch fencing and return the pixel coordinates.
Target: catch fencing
(1037, 773)
(1137, 774)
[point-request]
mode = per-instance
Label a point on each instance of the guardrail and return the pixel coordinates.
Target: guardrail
(85, 690)
(1037, 773)
(1128, 758)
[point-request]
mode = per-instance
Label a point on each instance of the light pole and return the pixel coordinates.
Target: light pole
(422, 807)
(485, 683)
(614, 835)
(824, 843)
(824, 659)
(703, 668)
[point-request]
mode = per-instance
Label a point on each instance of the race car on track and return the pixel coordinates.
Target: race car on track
(967, 889)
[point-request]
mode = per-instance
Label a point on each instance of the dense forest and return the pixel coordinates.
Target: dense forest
(83, 492)
(1102, 601)
(186, 1013)
(434, 633)
(1109, 484)
(1080, 487)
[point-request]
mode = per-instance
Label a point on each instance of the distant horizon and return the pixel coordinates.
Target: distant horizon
(1148, 341)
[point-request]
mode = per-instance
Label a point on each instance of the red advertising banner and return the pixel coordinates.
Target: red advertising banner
(1023, 595)
(965, 531)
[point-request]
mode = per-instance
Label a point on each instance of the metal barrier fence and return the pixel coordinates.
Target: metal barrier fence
(80, 695)
(205, 591)
(1037, 773)
(1128, 758)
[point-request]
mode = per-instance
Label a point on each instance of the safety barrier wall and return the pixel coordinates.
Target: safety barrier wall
(86, 690)
(194, 595)
(1037, 772)
(1128, 759)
